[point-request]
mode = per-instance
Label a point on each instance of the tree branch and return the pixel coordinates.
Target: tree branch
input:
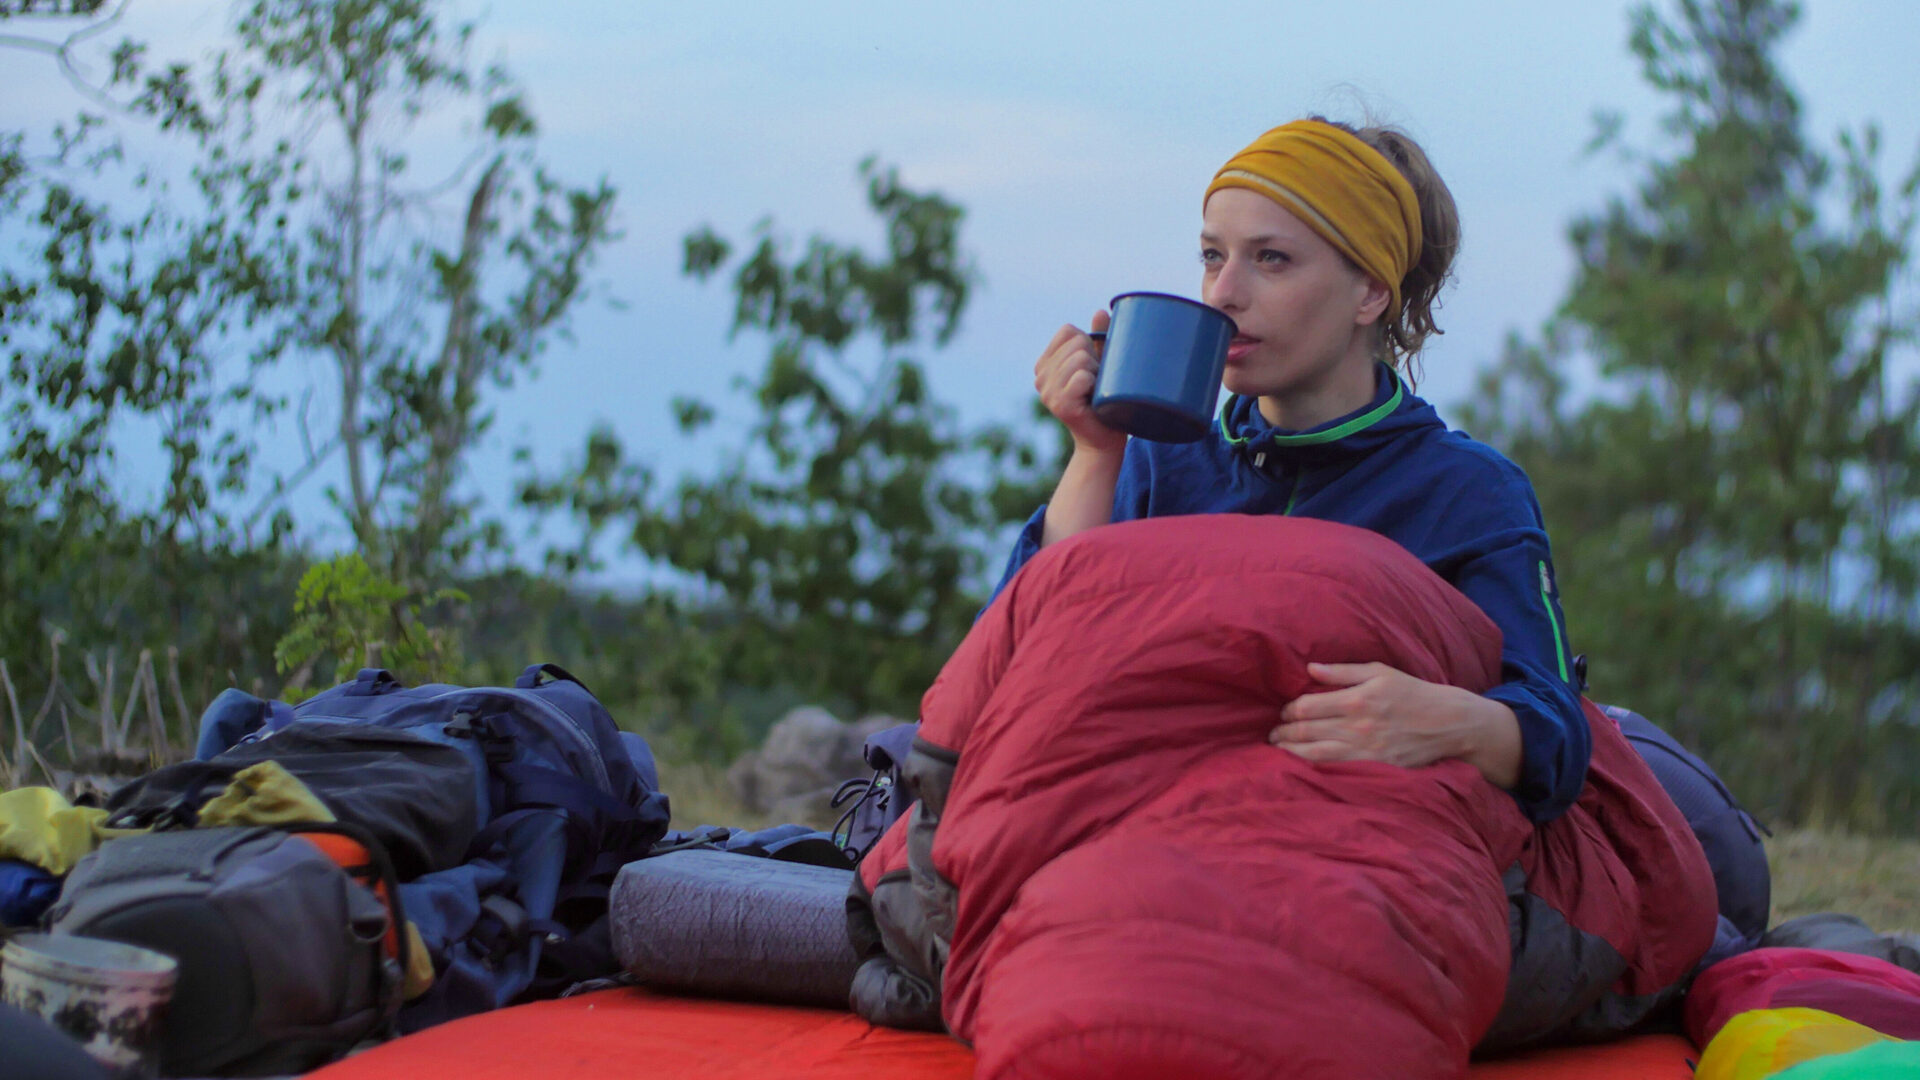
(19, 722)
(461, 358)
(62, 53)
(179, 697)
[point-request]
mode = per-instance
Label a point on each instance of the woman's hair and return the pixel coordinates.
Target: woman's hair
(1402, 337)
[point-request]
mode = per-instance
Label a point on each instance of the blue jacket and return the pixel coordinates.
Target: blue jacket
(1456, 504)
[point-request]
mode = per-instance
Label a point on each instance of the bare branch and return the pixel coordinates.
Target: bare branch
(19, 723)
(30, 44)
(429, 194)
(125, 725)
(301, 676)
(53, 687)
(285, 487)
(46, 770)
(162, 748)
(462, 360)
(103, 685)
(179, 696)
(63, 51)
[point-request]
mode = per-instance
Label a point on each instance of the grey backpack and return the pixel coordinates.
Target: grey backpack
(282, 952)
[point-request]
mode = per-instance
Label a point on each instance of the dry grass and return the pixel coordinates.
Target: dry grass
(1876, 879)
(701, 796)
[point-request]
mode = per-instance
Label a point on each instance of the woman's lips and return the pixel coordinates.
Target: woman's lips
(1239, 347)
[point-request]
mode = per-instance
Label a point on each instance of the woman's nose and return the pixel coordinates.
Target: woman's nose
(1224, 289)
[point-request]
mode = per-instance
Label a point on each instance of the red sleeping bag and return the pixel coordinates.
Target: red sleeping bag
(1111, 873)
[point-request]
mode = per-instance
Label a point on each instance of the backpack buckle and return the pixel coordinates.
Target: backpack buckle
(505, 932)
(497, 747)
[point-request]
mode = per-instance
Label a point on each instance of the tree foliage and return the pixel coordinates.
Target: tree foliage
(1736, 503)
(196, 231)
(846, 533)
(346, 612)
(299, 230)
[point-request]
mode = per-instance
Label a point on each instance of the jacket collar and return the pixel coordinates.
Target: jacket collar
(1245, 427)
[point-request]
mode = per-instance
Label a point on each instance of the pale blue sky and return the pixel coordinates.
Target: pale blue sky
(1078, 136)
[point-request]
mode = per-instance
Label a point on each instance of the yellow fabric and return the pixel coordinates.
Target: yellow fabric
(264, 794)
(1342, 188)
(419, 977)
(1761, 1042)
(39, 826)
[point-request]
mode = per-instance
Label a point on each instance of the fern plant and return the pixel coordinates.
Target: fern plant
(347, 612)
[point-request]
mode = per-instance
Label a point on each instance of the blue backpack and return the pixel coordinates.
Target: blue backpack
(561, 800)
(1729, 835)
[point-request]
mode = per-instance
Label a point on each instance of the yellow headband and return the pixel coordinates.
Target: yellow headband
(1342, 188)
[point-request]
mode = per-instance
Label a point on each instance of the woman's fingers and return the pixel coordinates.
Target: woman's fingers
(1327, 750)
(1304, 731)
(1322, 706)
(1066, 382)
(1060, 337)
(1065, 376)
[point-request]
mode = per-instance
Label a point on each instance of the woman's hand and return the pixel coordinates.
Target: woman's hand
(1064, 375)
(1381, 714)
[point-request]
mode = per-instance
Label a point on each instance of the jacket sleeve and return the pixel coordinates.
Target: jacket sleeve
(1025, 546)
(1508, 571)
(1129, 503)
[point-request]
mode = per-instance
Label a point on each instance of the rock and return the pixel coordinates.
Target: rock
(807, 754)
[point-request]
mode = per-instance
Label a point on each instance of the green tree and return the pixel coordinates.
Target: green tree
(271, 211)
(847, 531)
(1736, 504)
(116, 309)
(296, 230)
(417, 327)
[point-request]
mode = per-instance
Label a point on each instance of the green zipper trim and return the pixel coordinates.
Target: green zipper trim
(1559, 643)
(1232, 439)
(1359, 423)
(1288, 512)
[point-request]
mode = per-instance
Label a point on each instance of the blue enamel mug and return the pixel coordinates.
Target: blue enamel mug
(1161, 366)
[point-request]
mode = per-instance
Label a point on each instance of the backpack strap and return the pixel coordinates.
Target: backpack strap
(372, 682)
(358, 852)
(878, 790)
(594, 819)
(530, 678)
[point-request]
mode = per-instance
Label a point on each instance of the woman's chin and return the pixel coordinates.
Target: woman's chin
(1238, 382)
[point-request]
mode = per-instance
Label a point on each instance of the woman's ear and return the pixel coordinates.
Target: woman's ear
(1373, 302)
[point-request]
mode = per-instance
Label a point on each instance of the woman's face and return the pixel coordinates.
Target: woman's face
(1304, 312)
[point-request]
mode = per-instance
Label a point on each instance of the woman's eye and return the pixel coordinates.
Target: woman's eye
(1211, 257)
(1272, 257)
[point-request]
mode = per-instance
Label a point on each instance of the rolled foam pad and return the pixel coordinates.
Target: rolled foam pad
(726, 925)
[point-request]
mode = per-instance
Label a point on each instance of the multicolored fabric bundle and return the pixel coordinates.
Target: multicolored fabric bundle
(1805, 1014)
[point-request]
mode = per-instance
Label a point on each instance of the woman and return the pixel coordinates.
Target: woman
(1328, 246)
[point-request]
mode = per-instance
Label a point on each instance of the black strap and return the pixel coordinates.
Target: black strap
(869, 789)
(711, 837)
(372, 682)
(530, 678)
(382, 866)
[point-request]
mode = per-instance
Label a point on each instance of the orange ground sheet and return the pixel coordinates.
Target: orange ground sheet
(627, 1034)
